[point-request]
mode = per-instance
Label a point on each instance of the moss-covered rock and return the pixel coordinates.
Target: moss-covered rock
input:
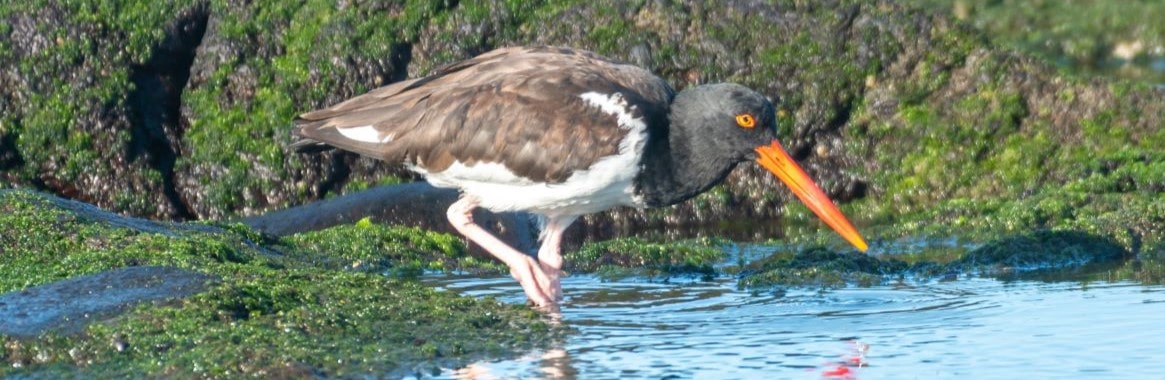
(1117, 39)
(1041, 250)
(86, 90)
(260, 64)
(635, 256)
(274, 310)
(819, 267)
(369, 247)
(1044, 254)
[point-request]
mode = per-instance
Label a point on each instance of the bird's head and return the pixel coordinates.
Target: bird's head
(742, 124)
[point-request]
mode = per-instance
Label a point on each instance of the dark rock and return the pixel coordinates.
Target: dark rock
(223, 171)
(67, 306)
(72, 121)
(156, 99)
(414, 204)
(820, 267)
(1041, 250)
(88, 212)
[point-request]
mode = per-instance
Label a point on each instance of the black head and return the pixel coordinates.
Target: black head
(724, 124)
(725, 119)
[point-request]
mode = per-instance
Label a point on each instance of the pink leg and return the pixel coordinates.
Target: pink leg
(550, 254)
(524, 268)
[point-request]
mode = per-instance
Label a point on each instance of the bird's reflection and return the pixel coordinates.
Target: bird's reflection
(553, 363)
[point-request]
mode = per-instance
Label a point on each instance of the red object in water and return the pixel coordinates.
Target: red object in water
(841, 371)
(844, 369)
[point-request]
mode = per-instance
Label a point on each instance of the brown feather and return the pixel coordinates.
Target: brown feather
(517, 106)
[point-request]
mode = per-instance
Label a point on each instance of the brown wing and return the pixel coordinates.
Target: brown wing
(517, 106)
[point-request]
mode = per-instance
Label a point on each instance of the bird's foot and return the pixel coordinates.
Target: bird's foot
(542, 288)
(537, 283)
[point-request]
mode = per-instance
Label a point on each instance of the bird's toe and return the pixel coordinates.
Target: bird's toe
(535, 283)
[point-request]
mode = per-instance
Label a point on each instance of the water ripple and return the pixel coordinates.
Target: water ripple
(974, 328)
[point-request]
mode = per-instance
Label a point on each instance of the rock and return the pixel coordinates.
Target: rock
(70, 121)
(416, 204)
(1041, 250)
(819, 267)
(87, 211)
(245, 171)
(638, 257)
(66, 307)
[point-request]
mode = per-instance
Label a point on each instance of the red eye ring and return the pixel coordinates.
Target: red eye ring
(745, 120)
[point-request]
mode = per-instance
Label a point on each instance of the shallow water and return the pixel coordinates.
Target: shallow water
(969, 328)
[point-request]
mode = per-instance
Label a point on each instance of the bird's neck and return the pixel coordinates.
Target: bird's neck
(676, 167)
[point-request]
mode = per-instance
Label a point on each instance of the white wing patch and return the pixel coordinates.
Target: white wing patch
(614, 105)
(607, 183)
(364, 133)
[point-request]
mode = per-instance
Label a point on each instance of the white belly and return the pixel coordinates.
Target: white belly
(584, 192)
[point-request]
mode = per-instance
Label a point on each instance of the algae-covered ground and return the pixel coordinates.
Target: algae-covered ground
(317, 304)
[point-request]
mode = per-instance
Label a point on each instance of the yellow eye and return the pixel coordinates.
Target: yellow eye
(745, 120)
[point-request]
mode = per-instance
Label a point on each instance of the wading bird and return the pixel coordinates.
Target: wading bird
(560, 133)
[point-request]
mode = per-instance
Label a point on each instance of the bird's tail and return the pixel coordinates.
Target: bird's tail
(303, 144)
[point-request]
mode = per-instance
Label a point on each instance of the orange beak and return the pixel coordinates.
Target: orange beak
(774, 158)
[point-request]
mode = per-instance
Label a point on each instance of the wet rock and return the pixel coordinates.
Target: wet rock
(637, 257)
(819, 267)
(66, 307)
(1041, 250)
(84, 211)
(415, 204)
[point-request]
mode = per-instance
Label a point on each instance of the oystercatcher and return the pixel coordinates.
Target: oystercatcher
(560, 133)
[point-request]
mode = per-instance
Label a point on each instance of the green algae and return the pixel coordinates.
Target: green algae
(818, 267)
(993, 161)
(272, 311)
(624, 257)
(1039, 255)
(1133, 219)
(1049, 229)
(56, 153)
(1096, 37)
(987, 160)
(407, 251)
(1041, 250)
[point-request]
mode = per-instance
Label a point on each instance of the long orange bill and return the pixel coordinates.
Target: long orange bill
(774, 158)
